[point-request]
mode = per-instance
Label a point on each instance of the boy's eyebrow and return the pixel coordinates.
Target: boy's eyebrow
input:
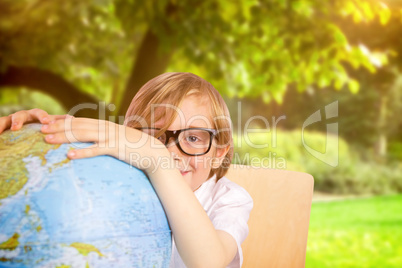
(191, 126)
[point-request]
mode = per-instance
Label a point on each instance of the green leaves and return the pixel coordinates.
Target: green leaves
(353, 86)
(245, 47)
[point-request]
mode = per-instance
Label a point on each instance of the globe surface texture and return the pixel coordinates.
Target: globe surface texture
(56, 212)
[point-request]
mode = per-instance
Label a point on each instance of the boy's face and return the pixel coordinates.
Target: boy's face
(194, 112)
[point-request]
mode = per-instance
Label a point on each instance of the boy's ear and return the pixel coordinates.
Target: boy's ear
(220, 156)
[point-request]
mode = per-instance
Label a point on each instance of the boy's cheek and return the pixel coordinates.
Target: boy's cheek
(197, 161)
(201, 163)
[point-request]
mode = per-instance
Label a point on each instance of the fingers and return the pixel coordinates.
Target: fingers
(80, 129)
(21, 117)
(44, 118)
(38, 115)
(63, 116)
(70, 136)
(90, 151)
(5, 123)
(69, 130)
(53, 118)
(77, 124)
(16, 120)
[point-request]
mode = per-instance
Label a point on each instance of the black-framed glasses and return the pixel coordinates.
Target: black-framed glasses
(191, 141)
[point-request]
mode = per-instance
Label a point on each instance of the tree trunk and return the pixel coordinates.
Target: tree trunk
(149, 62)
(380, 147)
(72, 99)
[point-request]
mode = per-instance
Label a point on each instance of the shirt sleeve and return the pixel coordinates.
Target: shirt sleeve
(230, 213)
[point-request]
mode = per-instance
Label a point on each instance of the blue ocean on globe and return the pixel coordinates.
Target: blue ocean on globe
(56, 212)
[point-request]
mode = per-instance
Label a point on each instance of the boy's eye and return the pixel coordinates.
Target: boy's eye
(192, 139)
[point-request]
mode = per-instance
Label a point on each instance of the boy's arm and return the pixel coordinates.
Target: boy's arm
(197, 241)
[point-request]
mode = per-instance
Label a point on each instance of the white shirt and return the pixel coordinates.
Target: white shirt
(228, 207)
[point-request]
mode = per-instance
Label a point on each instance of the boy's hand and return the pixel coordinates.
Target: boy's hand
(16, 120)
(69, 130)
(110, 139)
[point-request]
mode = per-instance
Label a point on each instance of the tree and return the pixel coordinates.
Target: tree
(367, 118)
(85, 50)
(384, 81)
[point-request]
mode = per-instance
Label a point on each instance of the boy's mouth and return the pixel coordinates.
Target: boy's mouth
(184, 172)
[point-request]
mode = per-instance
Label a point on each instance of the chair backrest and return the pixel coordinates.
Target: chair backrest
(278, 224)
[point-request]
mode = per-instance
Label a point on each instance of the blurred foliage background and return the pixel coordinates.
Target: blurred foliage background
(276, 62)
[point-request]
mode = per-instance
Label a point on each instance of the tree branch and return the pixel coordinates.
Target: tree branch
(150, 62)
(50, 83)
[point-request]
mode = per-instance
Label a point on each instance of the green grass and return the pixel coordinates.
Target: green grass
(356, 233)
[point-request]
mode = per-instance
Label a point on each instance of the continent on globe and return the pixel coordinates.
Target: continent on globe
(14, 147)
(95, 212)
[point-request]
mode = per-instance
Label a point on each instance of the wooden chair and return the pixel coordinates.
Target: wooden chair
(278, 224)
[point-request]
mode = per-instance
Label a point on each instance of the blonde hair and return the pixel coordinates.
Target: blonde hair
(171, 89)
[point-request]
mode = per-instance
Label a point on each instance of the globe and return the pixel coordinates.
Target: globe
(94, 212)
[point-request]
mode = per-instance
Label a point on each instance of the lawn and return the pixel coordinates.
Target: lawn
(356, 233)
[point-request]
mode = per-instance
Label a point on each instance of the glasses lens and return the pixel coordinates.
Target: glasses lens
(195, 141)
(191, 141)
(154, 133)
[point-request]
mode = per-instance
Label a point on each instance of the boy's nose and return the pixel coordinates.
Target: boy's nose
(173, 147)
(171, 142)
